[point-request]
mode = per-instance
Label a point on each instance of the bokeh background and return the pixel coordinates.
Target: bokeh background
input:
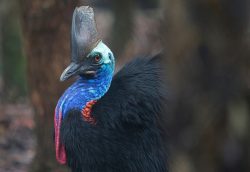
(206, 48)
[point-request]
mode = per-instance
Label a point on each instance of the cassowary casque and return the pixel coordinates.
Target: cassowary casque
(106, 123)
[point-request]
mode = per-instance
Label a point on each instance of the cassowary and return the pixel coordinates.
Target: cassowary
(106, 123)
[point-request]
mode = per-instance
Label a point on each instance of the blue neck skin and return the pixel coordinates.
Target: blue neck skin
(85, 90)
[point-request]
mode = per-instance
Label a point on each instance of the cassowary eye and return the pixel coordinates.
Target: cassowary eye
(97, 58)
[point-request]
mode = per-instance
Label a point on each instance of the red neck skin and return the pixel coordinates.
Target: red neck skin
(86, 112)
(60, 149)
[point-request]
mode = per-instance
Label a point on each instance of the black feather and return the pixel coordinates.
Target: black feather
(126, 136)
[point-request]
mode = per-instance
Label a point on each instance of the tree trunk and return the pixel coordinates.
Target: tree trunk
(46, 26)
(123, 25)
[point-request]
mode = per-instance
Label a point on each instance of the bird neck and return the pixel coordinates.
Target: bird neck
(83, 91)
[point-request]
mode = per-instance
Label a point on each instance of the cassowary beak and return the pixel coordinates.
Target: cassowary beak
(71, 70)
(84, 37)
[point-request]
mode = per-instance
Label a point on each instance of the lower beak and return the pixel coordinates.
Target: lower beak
(70, 71)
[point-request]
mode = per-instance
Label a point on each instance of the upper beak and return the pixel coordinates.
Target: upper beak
(70, 71)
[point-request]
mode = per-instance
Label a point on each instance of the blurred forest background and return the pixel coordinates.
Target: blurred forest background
(206, 45)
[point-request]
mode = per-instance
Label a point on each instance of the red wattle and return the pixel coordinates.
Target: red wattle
(60, 149)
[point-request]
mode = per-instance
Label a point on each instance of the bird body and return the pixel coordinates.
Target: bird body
(106, 123)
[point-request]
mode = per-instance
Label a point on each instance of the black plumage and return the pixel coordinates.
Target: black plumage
(126, 136)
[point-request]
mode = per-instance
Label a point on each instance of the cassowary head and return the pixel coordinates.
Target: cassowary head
(90, 57)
